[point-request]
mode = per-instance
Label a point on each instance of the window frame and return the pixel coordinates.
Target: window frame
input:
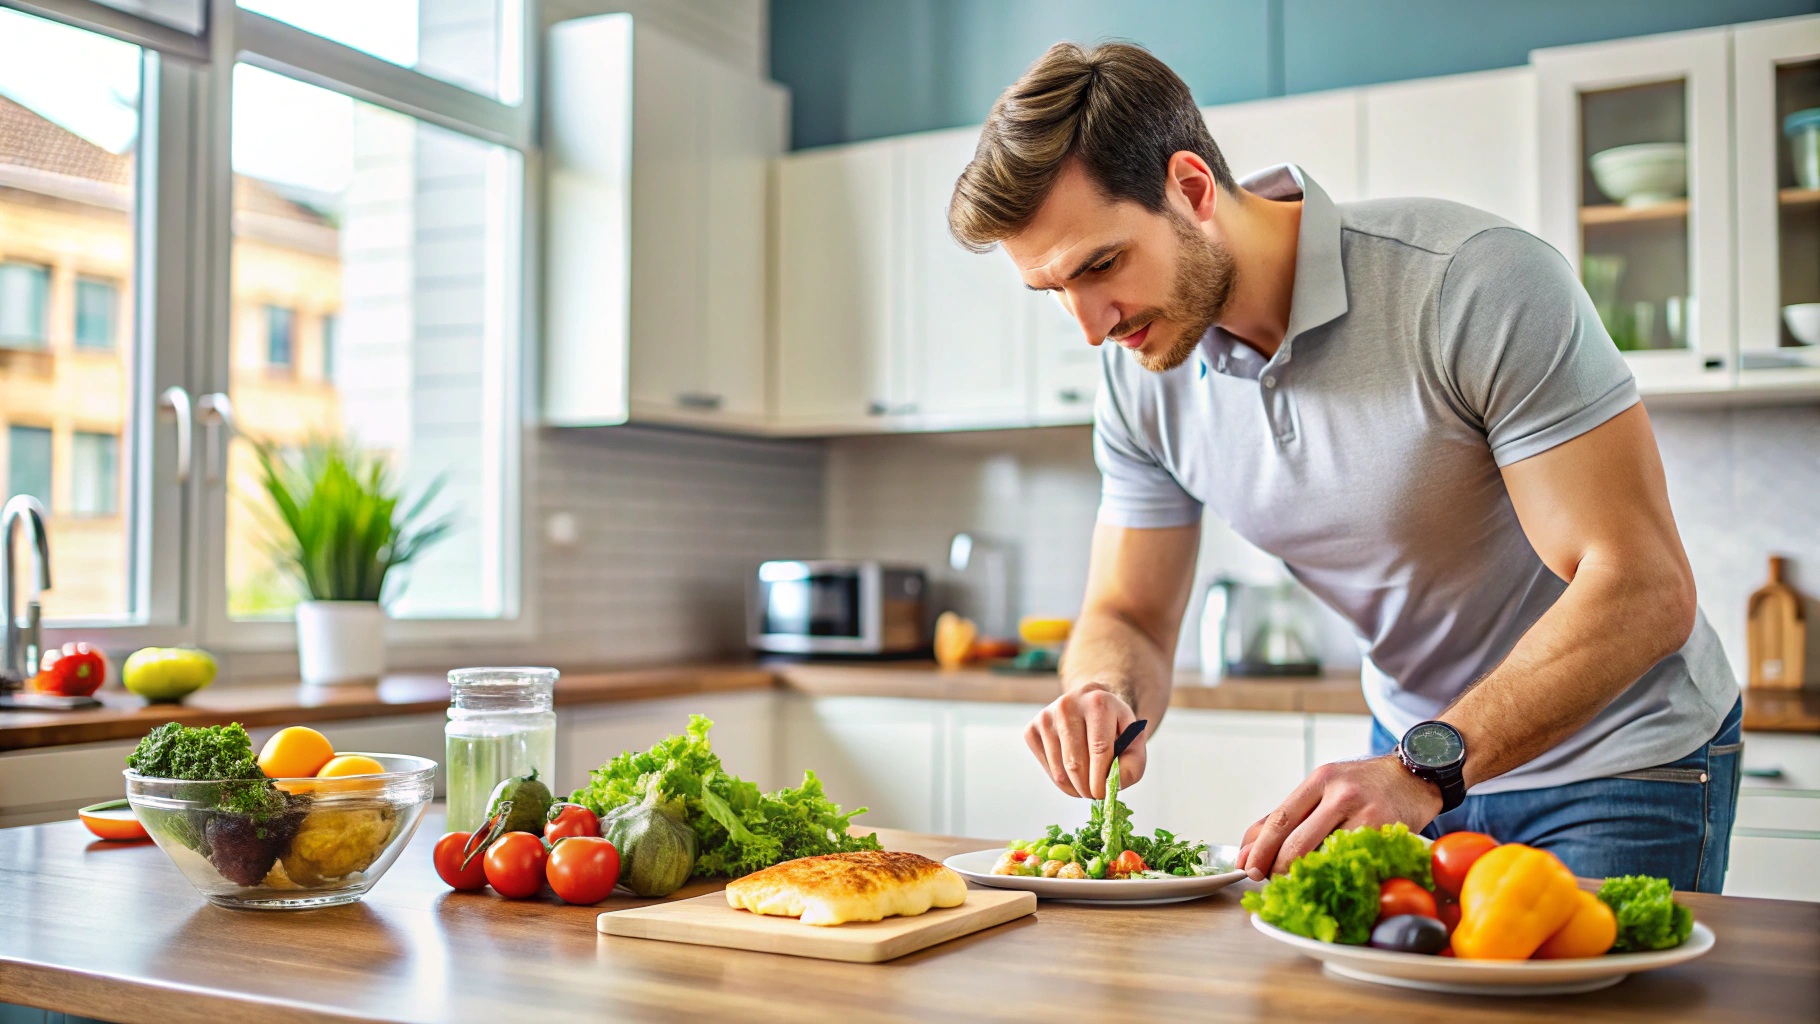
(182, 294)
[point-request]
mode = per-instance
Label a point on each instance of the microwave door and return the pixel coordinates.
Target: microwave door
(812, 612)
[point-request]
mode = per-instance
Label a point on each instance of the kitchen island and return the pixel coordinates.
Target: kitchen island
(114, 932)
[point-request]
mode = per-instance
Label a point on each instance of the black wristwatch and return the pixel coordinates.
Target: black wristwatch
(1436, 752)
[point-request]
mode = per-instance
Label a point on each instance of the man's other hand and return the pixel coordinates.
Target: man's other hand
(1073, 737)
(1344, 794)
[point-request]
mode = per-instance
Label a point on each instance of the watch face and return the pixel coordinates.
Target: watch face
(1433, 745)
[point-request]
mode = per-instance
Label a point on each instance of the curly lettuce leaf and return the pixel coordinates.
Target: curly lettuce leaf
(1648, 916)
(1331, 894)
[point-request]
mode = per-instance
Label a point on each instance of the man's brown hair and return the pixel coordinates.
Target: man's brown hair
(1117, 108)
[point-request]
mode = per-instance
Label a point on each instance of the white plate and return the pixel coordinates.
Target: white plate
(977, 867)
(1486, 977)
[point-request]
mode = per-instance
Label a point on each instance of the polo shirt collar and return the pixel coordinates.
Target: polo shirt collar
(1320, 273)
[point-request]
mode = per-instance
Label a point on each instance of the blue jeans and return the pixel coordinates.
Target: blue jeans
(1673, 820)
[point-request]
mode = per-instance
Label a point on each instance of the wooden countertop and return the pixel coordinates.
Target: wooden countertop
(268, 704)
(149, 949)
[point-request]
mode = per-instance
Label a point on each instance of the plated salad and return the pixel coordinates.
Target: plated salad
(1105, 848)
(1467, 896)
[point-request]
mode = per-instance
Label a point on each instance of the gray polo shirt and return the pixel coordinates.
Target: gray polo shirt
(1429, 344)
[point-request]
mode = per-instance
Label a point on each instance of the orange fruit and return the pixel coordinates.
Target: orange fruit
(350, 764)
(295, 753)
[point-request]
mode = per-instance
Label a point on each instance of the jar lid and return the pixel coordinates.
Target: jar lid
(519, 688)
(1801, 119)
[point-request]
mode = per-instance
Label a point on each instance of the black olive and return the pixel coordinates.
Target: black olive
(1409, 933)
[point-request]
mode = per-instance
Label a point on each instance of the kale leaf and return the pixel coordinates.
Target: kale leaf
(1648, 916)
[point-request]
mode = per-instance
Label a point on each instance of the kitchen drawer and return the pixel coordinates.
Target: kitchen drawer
(1774, 868)
(60, 778)
(1794, 756)
(1779, 811)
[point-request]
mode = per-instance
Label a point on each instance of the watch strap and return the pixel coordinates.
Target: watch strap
(1450, 781)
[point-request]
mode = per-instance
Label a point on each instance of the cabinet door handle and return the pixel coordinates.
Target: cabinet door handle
(1771, 772)
(877, 409)
(699, 400)
(1069, 395)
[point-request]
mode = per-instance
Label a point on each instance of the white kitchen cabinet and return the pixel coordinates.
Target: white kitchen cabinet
(1773, 867)
(1214, 773)
(884, 754)
(1776, 70)
(655, 301)
(743, 736)
(966, 328)
(998, 789)
(1065, 367)
(1318, 132)
(1669, 264)
(1337, 738)
(1469, 138)
(1776, 834)
(838, 251)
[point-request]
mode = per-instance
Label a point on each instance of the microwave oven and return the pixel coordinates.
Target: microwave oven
(831, 606)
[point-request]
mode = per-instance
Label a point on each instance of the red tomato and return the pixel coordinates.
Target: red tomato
(1449, 913)
(1402, 896)
(514, 865)
(570, 820)
(1454, 853)
(583, 869)
(448, 863)
(75, 671)
(1129, 862)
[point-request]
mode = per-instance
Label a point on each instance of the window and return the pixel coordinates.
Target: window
(279, 322)
(70, 127)
(94, 474)
(25, 292)
(95, 303)
(476, 44)
(28, 463)
(328, 347)
(410, 231)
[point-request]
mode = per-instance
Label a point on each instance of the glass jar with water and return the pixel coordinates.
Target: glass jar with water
(502, 722)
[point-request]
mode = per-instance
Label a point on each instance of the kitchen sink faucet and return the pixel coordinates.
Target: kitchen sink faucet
(16, 664)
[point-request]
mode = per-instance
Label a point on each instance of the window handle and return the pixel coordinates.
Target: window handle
(1070, 395)
(216, 411)
(174, 403)
(699, 400)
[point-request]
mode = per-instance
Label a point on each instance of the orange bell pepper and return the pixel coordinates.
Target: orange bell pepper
(1590, 932)
(1514, 898)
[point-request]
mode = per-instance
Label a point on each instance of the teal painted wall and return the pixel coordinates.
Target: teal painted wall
(863, 69)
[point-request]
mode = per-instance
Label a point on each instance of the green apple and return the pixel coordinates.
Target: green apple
(166, 675)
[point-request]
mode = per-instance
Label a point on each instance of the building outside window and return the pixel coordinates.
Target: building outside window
(94, 474)
(96, 301)
(28, 463)
(279, 325)
(25, 291)
(328, 347)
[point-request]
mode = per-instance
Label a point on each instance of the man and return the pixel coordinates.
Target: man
(1411, 403)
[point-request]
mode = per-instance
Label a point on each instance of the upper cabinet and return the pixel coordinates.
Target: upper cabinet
(1318, 132)
(1469, 138)
(1776, 93)
(1634, 151)
(656, 237)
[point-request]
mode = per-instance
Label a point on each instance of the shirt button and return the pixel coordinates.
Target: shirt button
(1270, 382)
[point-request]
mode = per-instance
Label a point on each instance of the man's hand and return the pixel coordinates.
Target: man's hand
(1073, 738)
(1344, 794)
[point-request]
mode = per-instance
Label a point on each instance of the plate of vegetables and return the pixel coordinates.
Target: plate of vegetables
(1469, 915)
(1105, 861)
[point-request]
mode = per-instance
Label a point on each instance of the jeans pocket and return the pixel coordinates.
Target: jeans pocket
(1691, 776)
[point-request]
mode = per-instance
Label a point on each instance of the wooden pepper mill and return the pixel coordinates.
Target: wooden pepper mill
(1777, 636)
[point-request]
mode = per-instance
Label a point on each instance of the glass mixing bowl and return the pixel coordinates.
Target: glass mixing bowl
(286, 843)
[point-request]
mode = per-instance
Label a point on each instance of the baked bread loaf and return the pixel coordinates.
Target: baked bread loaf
(867, 885)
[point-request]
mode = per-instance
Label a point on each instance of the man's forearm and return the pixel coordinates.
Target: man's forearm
(1609, 627)
(1111, 650)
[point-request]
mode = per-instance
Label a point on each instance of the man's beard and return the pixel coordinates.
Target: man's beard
(1204, 276)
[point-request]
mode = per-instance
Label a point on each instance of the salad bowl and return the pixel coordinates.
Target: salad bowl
(1218, 862)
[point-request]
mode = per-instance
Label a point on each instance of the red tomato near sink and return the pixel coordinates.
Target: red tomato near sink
(448, 863)
(583, 869)
(1454, 854)
(515, 865)
(1402, 896)
(570, 820)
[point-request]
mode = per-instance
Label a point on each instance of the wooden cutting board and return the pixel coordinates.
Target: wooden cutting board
(709, 921)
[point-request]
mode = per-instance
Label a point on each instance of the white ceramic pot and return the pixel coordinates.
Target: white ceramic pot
(340, 641)
(1644, 174)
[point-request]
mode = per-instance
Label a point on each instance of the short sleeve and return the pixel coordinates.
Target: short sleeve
(1525, 352)
(1136, 491)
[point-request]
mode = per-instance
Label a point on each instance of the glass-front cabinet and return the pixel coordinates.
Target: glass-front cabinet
(1636, 190)
(1776, 65)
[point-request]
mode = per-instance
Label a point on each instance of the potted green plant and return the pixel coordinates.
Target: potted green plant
(340, 530)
